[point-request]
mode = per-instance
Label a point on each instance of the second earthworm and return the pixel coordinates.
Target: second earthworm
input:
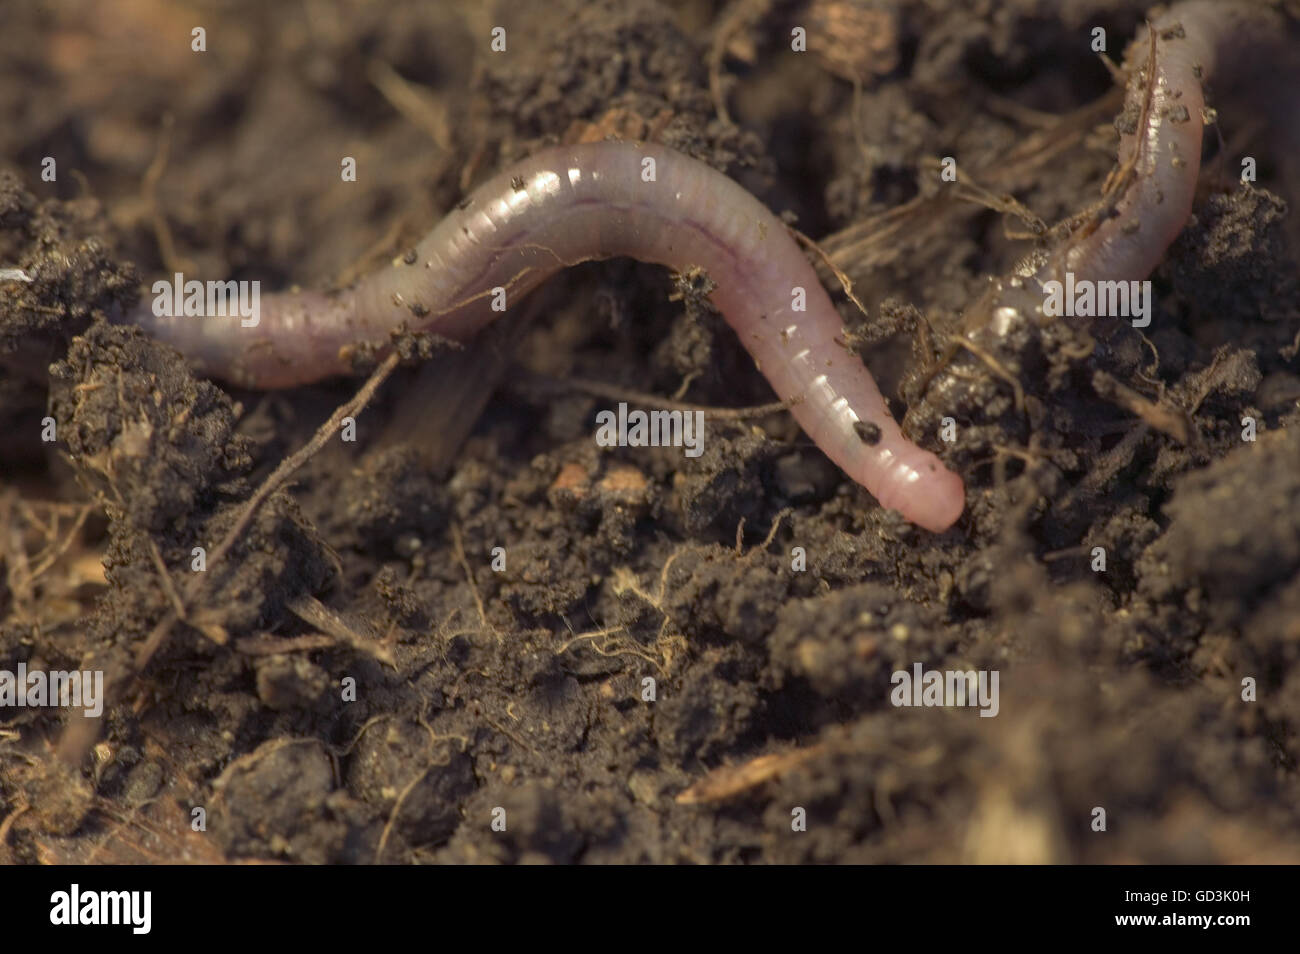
(1192, 45)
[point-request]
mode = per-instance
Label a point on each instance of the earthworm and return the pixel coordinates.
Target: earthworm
(1162, 127)
(576, 203)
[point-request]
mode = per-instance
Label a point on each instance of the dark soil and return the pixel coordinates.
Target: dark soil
(652, 677)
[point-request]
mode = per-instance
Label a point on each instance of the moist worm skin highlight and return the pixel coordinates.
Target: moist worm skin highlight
(571, 204)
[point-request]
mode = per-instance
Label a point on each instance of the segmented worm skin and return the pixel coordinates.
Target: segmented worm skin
(1197, 42)
(593, 201)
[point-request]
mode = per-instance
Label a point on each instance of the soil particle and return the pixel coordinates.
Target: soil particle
(1228, 252)
(414, 777)
(1252, 546)
(300, 814)
(848, 643)
(285, 682)
(161, 441)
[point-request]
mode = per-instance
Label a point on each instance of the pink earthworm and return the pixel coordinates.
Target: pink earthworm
(570, 204)
(1196, 43)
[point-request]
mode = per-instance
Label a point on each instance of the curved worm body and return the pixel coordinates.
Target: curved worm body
(1196, 42)
(601, 200)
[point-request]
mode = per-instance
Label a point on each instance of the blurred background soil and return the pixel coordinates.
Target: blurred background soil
(525, 688)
